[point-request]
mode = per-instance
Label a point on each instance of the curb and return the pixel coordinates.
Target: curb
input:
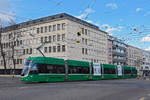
(10, 76)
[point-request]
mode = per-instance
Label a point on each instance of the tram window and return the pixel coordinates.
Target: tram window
(134, 71)
(78, 70)
(127, 71)
(42, 68)
(109, 71)
(50, 69)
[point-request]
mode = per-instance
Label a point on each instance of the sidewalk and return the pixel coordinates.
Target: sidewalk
(10, 76)
(146, 78)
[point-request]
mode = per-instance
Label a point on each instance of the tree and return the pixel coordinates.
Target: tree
(13, 39)
(2, 51)
(11, 51)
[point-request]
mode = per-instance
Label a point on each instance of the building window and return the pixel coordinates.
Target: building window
(49, 28)
(41, 39)
(24, 51)
(14, 44)
(58, 37)
(58, 26)
(82, 30)
(45, 29)
(58, 48)
(46, 39)
(83, 40)
(38, 30)
(50, 49)
(82, 50)
(17, 61)
(85, 31)
(63, 37)
(50, 39)
(27, 51)
(86, 41)
(86, 51)
(45, 49)
(30, 50)
(54, 48)
(20, 42)
(20, 61)
(41, 29)
(54, 27)
(63, 26)
(54, 38)
(63, 48)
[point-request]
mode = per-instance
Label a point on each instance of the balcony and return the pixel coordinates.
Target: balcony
(146, 68)
(119, 60)
(116, 53)
(120, 47)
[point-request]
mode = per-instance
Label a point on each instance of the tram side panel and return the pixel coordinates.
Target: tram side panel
(109, 71)
(78, 70)
(126, 72)
(96, 71)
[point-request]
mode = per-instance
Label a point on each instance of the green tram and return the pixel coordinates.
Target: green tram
(47, 69)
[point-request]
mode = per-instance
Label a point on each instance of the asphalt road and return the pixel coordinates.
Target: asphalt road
(128, 89)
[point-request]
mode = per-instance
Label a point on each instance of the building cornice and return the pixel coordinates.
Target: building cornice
(60, 16)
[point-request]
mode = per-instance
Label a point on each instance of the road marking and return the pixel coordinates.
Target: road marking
(142, 98)
(23, 87)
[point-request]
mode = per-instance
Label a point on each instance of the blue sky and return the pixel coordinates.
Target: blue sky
(125, 19)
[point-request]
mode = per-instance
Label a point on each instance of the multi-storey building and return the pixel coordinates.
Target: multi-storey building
(145, 68)
(134, 56)
(116, 51)
(62, 36)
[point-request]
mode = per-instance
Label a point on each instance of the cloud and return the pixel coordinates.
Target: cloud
(4, 4)
(90, 21)
(146, 38)
(85, 14)
(121, 20)
(112, 5)
(105, 26)
(110, 29)
(147, 49)
(139, 9)
(6, 16)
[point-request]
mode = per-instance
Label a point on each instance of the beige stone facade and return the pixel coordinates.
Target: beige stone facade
(134, 56)
(146, 61)
(59, 32)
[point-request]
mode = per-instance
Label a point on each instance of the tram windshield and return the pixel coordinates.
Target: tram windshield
(26, 68)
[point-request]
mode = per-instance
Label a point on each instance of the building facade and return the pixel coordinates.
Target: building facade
(134, 56)
(117, 53)
(61, 36)
(145, 68)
